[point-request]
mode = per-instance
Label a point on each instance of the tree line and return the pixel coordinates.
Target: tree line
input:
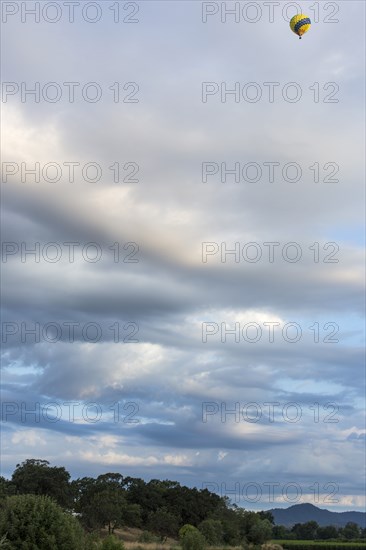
(162, 508)
(311, 530)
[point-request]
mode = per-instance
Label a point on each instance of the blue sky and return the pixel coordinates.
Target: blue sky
(170, 376)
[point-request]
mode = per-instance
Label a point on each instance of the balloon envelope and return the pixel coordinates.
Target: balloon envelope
(300, 24)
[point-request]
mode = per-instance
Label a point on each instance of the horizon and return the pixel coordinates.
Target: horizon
(275, 505)
(278, 507)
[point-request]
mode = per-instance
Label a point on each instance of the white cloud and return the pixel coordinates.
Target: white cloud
(28, 438)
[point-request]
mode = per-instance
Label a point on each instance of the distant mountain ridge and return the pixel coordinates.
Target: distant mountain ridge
(301, 513)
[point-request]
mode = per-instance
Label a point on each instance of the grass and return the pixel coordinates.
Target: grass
(131, 535)
(317, 542)
(166, 546)
(320, 543)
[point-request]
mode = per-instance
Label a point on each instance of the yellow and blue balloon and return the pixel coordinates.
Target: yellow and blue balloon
(300, 24)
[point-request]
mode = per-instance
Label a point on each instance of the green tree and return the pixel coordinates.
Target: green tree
(327, 532)
(36, 477)
(163, 523)
(266, 515)
(132, 515)
(246, 520)
(149, 496)
(7, 488)
(105, 507)
(212, 530)
(305, 531)
(103, 501)
(260, 532)
(191, 538)
(36, 522)
(230, 517)
(185, 529)
(279, 532)
(351, 531)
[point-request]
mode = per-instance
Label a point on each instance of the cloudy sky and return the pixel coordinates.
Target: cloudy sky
(164, 143)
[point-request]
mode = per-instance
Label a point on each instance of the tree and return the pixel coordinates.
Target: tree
(251, 527)
(351, 531)
(327, 532)
(260, 532)
(230, 517)
(163, 523)
(149, 496)
(212, 530)
(305, 531)
(279, 532)
(7, 488)
(103, 501)
(104, 508)
(36, 477)
(267, 515)
(191, 538)
(32, 521)
(194, 541)
(132, 515)
(246, 520)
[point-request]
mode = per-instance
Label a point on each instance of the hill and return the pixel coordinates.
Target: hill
(300, 513)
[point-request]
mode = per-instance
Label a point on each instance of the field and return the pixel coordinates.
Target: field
(168, 546)
(319, 545)
(130, 538)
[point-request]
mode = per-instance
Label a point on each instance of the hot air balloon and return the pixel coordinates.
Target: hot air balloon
(300, 24)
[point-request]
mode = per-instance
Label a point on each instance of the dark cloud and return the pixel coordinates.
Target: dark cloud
(171, 373)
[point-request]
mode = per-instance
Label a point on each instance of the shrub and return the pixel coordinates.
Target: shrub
(260, 532)
(111, 543)
(185, 529)
(92, 541)
(191, 538)
(146, 537)
(212, 531)
(163, 522)
(4, 543)
(32, 521)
